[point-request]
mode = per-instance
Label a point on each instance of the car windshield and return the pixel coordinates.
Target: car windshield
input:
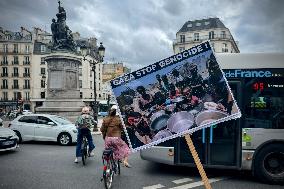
(61, 120)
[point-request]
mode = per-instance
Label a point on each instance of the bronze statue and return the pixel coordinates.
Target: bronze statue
(61, 34)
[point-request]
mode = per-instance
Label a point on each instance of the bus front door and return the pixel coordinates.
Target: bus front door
(218, 145)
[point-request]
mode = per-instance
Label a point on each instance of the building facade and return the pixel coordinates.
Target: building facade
(24, 71)
(197, 31)
(16, 56)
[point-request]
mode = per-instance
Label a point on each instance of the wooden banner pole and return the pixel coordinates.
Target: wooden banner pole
(197, 161)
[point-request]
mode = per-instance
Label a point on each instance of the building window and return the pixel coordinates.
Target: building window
(16, 72)
(42, 71)
(16, 60)
(7, 37)
(211, 35)
(42, 94)
(5, 95)
(15, 48)
(81, 94)
(42, 83)
(91, 84)
(223, 34)
(196, 36)
(4, 72)
(198, 24)
(181, 49)
(27, 72)
(27, 60)
(189, 25)
(182, 38)
(80, 71)
(27, 84)
(80, 84)
(16, 84)
(15, 95)
(5, 47)
(42, 48)
(5, 61)
(207, 23)
(27, 95)
(42, 62)
(225, 47)
(27, 49)
(4, 84)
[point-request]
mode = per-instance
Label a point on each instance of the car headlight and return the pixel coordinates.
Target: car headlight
(75, 131)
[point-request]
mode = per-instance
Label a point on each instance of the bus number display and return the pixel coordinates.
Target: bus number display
(258, 86)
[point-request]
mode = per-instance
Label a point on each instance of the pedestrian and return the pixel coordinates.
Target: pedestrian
(111, 130)
(83, 123)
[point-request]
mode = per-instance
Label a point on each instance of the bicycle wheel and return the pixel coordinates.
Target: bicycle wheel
(118, 167)
(108, 176)
(84, 152)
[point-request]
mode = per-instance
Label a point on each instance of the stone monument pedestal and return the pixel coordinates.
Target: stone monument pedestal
(63, 94)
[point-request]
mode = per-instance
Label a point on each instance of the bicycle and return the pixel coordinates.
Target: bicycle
(110, 168)
(84, 150)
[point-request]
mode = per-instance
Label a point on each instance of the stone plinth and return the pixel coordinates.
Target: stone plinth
(63, 94)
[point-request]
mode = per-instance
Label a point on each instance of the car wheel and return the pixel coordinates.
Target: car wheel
(19, 135)
(269, 164)
(64, 139)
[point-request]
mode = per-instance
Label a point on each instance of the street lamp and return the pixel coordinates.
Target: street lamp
(98, 54)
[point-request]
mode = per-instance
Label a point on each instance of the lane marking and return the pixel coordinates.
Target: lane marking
(154, 186)
(180, 181)
(195, 184)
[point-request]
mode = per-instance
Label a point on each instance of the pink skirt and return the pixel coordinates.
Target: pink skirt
(120, 148)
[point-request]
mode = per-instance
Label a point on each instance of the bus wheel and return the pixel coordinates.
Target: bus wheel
(269, 164)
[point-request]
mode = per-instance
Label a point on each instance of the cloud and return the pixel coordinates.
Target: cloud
(141, 32)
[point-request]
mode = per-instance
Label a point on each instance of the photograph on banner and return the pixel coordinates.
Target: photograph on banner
(180, 94)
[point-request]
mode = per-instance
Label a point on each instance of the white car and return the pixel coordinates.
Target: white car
(8, 139)
(44, 127)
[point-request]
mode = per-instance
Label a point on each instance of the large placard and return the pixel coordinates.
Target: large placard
(180, 94)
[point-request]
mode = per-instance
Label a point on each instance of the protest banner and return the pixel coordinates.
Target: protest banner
(173, 97)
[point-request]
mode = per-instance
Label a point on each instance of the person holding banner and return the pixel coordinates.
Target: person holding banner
(111, 130)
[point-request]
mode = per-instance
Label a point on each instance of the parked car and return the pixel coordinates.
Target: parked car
(8, 139)
(44, 127)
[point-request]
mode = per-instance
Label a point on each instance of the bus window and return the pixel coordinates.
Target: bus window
(264, 103)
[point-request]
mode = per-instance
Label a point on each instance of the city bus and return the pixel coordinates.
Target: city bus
(104, 107)
(255, 141)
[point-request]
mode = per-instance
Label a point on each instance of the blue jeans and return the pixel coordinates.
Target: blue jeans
(84, 132)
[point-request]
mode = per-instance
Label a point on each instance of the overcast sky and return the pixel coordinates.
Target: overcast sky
(140, 32)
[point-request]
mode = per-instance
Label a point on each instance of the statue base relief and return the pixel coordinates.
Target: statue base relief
(63, 94)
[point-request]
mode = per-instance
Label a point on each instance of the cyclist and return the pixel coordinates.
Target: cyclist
(111, 129)
(83, 124)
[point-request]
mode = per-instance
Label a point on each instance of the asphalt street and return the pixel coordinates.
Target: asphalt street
(47, 165)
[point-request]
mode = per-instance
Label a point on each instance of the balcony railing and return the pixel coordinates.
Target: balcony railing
(15, 62)
(15, 87)
(4, 74)
(4, 63)
(4, 86)
(15, 74)
(26, 74)
(26, 86)
(203, 38)
(26, 62)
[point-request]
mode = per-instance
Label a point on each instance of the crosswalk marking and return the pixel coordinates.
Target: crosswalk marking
(154, 186)
(195, 184)
(180, 181)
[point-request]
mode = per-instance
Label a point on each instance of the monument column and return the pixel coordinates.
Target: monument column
(63, 94)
